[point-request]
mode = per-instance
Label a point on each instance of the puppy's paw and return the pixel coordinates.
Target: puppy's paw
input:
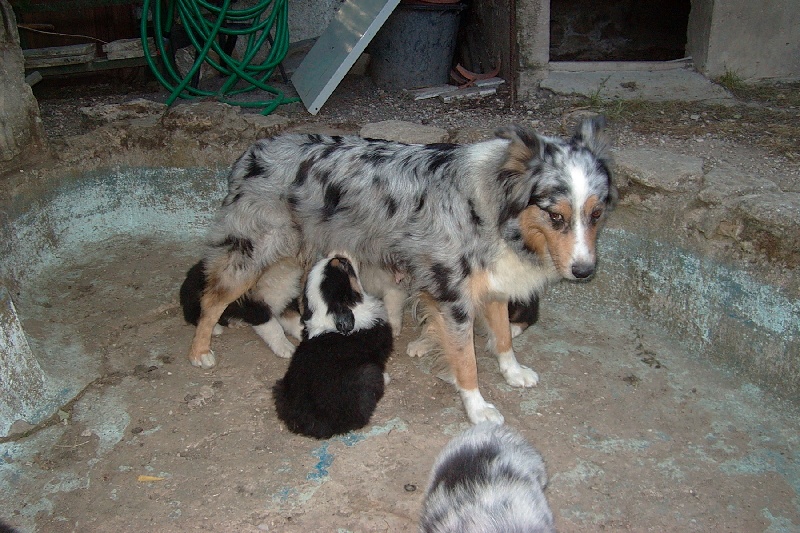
(217, 331)
(203, 360)
(516, 374)
(282, 347)
(292, 325)
(516, 330)
(478, 409)
(236, 323)
(272, 334)
(421, 346)
(386, 378)
(397, 326)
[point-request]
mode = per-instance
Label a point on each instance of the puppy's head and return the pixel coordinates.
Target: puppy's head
(571, 194)
(333, 291)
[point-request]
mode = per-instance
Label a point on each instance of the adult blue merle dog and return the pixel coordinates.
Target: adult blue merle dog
(471, 226)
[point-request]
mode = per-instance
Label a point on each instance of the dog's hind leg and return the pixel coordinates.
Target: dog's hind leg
(224, 284)
(213, 305)
(517, 375)
(277, 287)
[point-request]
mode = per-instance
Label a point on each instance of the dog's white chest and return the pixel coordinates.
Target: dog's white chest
(514, 279)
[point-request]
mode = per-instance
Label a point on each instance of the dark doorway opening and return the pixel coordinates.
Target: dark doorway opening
(618, 30)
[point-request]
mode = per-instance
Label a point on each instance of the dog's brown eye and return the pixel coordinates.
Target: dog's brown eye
(556, 217)
(596, 214)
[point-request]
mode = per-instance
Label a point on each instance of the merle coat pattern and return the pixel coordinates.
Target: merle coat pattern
(488, 479)
(472, 226)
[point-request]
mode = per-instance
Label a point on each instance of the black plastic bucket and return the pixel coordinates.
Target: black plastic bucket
(415, 46)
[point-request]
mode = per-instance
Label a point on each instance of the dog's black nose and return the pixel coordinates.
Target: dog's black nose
(582, 270)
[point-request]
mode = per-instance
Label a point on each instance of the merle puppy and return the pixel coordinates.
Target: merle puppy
(488, 479)
(336, 376)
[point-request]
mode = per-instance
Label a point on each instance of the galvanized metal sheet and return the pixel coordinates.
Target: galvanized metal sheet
(338, 48)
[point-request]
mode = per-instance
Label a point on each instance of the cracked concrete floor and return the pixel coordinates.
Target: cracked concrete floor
(636, 432)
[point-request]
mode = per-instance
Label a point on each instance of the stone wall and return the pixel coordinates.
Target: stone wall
(21, 132)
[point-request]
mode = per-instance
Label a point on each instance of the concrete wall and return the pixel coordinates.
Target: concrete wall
(533, 41)
(754, 40)
(699, 30)
(309, 18)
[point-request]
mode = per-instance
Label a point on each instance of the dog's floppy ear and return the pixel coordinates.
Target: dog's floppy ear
(344, 319)
(590, 134)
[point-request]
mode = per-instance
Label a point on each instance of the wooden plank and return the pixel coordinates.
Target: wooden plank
(431, 92)
(469, 93)
(97, 65)
(59, 51)
(490, 82)
(440, 90)
(125, 48)
(338, 48)
(54, 56)
(498, 27)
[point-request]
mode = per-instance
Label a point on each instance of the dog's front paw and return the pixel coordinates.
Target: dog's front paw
(522, 376)
(516, 330)
(516, 374)
(421, 346)
(487, 413)
(217, 331)
(478, 409)
(203, 360)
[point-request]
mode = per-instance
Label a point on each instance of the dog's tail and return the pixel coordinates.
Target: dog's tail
(191, 292)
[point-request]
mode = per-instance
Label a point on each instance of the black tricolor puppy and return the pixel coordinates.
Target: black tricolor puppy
(252, 309)
(488, 479)
(336, 376)
(523, 314)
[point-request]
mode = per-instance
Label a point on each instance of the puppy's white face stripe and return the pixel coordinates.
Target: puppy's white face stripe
(365, 313)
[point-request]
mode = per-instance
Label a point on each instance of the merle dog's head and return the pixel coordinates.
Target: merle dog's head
(333, 292)
(565, 196)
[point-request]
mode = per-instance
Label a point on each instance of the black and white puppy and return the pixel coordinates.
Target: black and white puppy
(488, 479)
(523, 314)
(253, 309)
(336, 376)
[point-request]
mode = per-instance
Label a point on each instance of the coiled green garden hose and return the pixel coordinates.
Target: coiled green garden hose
(203, 23)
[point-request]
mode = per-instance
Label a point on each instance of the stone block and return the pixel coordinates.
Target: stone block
(108, 113)
(21, 377)
(725, 184)
(407, 132)
(659, 170)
